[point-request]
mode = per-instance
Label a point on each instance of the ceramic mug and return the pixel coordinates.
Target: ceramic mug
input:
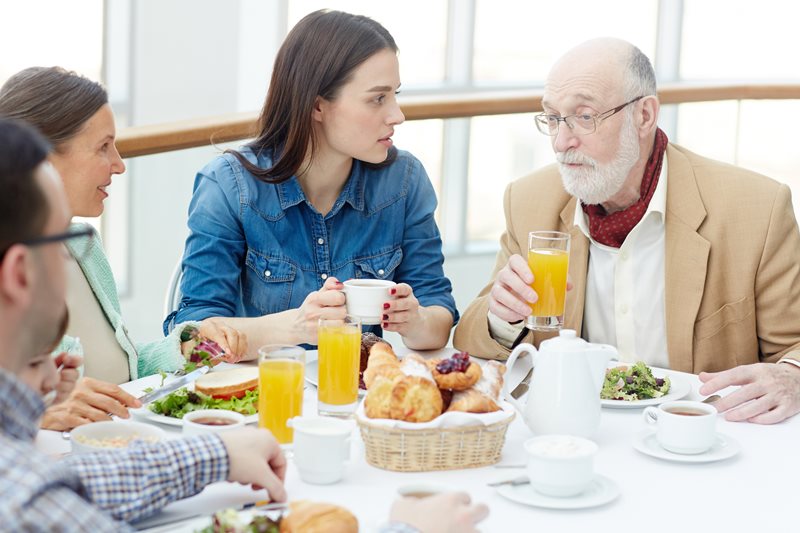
(321, 448)
(560, 465)
(365, 298)
(211, 421)
(683, 427)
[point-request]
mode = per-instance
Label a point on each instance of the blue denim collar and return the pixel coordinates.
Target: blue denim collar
(290, 193)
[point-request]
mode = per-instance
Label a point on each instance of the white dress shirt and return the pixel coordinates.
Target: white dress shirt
(627, 313)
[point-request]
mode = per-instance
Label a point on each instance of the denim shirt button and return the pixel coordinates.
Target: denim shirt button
(267, 273)
(324, 276)
(380, 272)
(320, 241)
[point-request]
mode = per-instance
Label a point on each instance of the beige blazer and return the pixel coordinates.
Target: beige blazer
(732, 287)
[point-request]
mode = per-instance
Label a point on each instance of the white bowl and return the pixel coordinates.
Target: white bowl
(191, 426)
(111, 435)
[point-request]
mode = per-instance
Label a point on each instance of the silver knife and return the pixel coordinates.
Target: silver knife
(522, 388)
(174, 385)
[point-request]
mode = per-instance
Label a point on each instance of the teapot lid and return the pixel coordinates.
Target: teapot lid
(567, 341)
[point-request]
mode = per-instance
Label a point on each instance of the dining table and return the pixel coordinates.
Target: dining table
(750, 487)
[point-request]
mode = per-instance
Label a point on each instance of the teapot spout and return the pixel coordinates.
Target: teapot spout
(598, 359)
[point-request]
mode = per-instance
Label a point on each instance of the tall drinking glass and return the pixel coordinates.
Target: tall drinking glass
(339, 345)
(280, 388)
(548, 259)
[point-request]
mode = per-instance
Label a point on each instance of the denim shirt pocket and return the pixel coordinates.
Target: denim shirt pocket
(380, 266)
(268, 285)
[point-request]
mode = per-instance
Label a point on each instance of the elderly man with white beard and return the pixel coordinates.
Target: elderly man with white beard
(677, 260)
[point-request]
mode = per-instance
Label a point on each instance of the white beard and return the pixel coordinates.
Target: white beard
(595, 183)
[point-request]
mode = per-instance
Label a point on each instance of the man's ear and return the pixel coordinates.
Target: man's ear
(648, 120)
(16, 276)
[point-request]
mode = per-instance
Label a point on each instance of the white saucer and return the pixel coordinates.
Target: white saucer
(600, 492)
(724, 448)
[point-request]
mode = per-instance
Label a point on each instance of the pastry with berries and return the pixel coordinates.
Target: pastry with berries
(456, 373)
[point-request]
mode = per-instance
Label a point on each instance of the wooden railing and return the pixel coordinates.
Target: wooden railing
(159, 138)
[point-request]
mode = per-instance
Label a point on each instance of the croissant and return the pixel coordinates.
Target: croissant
(415, 399)
(310, 517)
(483, 397)
(379, 396)
(382, 362)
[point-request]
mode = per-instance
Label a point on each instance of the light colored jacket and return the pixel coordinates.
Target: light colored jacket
(732, 273)
(144, 359)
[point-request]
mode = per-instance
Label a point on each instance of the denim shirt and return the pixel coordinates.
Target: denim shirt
(256, 248)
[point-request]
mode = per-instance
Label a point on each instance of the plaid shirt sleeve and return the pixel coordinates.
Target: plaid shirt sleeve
(137, 482)
(61, 509)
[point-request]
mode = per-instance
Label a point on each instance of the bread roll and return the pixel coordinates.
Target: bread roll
(310, 517)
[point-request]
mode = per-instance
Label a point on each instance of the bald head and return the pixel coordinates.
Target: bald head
(604, 71)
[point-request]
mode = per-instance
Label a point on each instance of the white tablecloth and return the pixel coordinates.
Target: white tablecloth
(754, 491)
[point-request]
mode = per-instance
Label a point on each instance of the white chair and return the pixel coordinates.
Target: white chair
(173, 296)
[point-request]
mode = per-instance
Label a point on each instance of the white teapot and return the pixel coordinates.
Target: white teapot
(564, 394)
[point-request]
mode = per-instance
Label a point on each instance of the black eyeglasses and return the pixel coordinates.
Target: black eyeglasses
(68, 235)
(583, 124)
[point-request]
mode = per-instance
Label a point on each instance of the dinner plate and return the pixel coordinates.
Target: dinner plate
(724, 447)
(679, 387)
(147, 415)
(601, 491)
(312, 376)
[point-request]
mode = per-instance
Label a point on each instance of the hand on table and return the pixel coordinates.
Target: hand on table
(256, 459)
(91, 400)
(328, 302)
(231, 340)
(450, 512)
(768, 393)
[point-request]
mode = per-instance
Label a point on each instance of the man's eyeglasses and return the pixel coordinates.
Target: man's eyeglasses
(68, 235)
(583, 124)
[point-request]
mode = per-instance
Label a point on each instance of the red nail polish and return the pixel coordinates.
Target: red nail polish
(386, 317)
(385, 306)
(385, 325)
(393, 292)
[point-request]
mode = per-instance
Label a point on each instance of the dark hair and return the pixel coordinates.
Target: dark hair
(317, 58)
(23, 206)
(55, 101)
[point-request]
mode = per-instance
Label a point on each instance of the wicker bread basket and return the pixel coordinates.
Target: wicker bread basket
(438, 448)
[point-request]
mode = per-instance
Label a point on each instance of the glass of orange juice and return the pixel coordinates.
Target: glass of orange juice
(280, 388)
(548, 259)
(339, 345)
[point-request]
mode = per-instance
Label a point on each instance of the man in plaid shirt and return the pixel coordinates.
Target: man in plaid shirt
(94, 492)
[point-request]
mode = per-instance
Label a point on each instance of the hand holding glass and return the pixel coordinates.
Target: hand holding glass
(548, 259)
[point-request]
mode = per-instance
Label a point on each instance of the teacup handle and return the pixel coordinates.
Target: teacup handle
(512, 358)
(650, 415)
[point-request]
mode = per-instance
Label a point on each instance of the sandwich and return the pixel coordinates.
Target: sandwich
(227, 384)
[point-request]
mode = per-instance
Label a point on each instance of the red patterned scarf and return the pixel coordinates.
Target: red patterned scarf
(611, 229)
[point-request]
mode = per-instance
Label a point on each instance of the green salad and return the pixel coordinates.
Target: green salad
(183, 401)
(229, 521)
(631, 383)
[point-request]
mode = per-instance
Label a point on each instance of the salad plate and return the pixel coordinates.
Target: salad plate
(147, 415)
(602, 491)
(312, 376)
(679, 387)
(724, 447)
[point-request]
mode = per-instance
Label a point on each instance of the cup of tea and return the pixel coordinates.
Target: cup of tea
(683, 427)
(321, 448)
(365, 298)
(211, 421)
(560, 465)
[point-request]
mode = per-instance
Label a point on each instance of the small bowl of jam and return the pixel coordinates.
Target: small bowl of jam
(211, 421)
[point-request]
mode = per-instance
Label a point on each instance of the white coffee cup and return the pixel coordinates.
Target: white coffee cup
(211, 421)
(321, 448)
(684, 427)
(365, 298)
(560, 465)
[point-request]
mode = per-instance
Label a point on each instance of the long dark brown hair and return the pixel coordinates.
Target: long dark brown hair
(55, 101)
(317, 58)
